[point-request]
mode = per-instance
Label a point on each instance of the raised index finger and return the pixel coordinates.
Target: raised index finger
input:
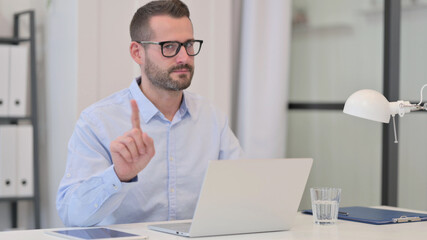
(135, 115)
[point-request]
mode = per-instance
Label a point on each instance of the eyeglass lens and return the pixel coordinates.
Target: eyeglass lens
(171, 49)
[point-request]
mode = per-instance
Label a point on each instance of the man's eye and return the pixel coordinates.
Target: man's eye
(169, 46)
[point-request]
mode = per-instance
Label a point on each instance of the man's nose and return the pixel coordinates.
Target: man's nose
(182, 55)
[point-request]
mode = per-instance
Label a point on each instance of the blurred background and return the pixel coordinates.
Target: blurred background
(280, 69)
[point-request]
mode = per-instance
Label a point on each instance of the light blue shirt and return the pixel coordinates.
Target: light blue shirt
(90, 192)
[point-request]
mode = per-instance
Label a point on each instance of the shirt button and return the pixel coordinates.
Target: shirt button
(171, 159)
(68, 175)
(172, 190)
(115, 187)
(95, 205)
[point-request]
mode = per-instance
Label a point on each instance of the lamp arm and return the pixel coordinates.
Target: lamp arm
(422, 88)
(394, 130)
(402, 107)
(417, 107)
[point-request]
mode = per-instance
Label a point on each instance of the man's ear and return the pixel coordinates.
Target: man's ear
(137, 52)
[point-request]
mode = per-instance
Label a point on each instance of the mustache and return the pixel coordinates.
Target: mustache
(181, 66)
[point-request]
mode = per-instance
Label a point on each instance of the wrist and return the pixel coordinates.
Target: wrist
(123, 178)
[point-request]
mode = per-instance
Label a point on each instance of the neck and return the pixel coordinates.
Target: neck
(167, 101)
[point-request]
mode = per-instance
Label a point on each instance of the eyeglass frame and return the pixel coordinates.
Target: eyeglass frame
(177, 49)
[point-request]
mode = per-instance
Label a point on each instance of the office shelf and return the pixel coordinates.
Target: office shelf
(16, 40)
(5, 120)
(13, 199)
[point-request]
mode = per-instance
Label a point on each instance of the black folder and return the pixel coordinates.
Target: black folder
(377, 216)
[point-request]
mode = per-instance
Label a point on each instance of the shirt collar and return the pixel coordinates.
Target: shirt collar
(148, 110)
(185, 108)
(190, 105)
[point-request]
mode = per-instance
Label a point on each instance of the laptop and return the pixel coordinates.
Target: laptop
(246, 196)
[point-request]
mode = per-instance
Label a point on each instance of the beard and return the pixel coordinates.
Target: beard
(162, 78)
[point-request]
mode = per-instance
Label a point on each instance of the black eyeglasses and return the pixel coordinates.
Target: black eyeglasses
(172, 48)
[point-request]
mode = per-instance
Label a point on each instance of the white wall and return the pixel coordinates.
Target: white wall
(104, 63)
(213, 77)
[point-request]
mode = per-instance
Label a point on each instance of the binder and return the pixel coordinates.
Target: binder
(18, 80)
(7, 161)
(377, 216)
(4, 80)
(24, 147)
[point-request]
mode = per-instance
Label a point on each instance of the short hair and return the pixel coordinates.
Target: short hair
(140, 24)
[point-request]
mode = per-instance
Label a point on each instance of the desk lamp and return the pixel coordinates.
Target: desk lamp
(372, 105)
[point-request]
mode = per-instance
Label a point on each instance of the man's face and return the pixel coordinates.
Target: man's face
(173, 73)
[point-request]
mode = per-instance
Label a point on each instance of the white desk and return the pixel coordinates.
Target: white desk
(303, 229)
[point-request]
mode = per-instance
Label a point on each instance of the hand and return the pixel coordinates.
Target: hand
(132, 151)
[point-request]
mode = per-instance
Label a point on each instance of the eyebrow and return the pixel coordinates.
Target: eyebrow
(180, 41)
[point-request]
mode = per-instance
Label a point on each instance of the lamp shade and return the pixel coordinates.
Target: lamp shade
(368, 104)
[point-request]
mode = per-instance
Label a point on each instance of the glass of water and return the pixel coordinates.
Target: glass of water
(325, 203)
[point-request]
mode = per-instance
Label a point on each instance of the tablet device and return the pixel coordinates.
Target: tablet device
(94, 233)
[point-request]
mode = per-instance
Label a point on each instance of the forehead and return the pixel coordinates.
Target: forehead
(166, 28)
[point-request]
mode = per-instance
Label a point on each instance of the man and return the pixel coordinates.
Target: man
(131, 165)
